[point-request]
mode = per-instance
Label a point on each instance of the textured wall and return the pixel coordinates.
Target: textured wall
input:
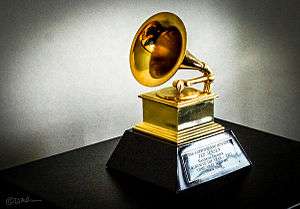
(65, 80)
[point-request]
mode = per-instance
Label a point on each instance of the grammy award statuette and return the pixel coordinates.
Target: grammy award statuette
(178, 145)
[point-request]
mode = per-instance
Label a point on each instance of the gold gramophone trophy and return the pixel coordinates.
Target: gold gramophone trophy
(178, 145)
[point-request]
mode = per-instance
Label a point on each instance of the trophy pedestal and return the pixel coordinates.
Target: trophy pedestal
(178, 167)
(178, 121)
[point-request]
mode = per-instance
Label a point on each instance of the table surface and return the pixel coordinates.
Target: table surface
(79, 179)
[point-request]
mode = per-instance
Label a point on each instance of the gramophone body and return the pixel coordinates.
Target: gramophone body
(179, 113)
(177, 145)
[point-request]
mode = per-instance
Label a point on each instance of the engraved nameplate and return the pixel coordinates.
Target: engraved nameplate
(211, 158)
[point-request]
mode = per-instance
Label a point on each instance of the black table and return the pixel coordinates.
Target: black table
(79, 179)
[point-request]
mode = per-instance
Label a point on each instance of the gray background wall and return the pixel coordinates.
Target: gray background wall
(65, 80)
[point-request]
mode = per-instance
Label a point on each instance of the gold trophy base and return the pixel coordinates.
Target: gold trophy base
(183, 136)
(178, 121)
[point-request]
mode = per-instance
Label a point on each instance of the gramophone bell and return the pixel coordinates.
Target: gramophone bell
(159, 50)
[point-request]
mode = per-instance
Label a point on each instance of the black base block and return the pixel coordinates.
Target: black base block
(174, 167)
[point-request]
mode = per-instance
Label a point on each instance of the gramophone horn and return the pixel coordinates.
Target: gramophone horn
(159, 50)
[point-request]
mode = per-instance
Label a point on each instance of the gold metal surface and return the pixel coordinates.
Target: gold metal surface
(177, 118)
(159, 50)
(172, 93)
(175, 103)
(178, 121)
(179, 113)
(180, 137)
